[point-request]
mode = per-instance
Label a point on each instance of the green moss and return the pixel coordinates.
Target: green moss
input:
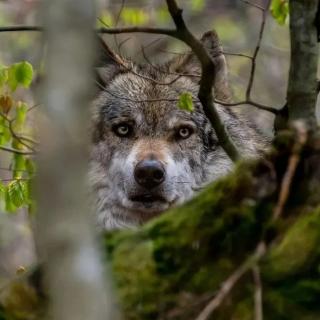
(297, 250)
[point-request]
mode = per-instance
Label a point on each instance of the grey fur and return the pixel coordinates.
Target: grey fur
(150, 107)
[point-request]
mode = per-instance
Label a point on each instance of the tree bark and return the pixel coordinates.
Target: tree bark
(65, 238)
(302, 87)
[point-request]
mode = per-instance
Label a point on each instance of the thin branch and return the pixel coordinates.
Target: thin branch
(231, 281)
(21, 28)
(116, 24)
(207, 79)
(242, 55)
(257, 49)
(102, 30)
(16, 151)
(258, 303)
(249, 102)
(19, 138)
(253, 5)
(286, 184)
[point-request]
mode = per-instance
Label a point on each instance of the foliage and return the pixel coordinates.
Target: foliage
(280, 10)
(185, 102)
(16, 143)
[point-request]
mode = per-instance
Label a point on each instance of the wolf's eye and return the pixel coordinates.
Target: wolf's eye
(122, 130)
(184, 132)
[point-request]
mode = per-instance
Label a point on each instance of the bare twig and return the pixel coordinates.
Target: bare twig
(206, 81)
(231, 281)
(257, 49)
(253, 5)
(16, 151)
(258, 304)
(242, 55)
(116, 24)
(21, 28)
(249, 102)
(19, 138)
(302, 135)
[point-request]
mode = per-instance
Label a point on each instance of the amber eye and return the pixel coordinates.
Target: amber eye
(184, 132)
(122, 130)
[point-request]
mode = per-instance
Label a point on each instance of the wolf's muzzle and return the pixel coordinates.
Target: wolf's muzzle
(149, 173)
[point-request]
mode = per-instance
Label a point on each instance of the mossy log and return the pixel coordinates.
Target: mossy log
(173, 266)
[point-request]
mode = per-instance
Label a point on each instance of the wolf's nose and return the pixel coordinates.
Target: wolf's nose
(149, 173)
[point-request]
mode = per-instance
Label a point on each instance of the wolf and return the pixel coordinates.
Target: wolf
(149, 155)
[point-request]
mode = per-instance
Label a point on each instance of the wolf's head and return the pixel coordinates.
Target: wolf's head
(148, 155)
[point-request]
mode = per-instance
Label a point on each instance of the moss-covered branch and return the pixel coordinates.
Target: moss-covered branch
(173, 266)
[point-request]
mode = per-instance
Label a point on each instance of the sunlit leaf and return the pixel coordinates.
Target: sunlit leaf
(24, 73)
(9, 205)
(185, 102)
(133, 16)
(280, 10)
(16, 195)
(21, 113)
(5, 134)
(20, 74)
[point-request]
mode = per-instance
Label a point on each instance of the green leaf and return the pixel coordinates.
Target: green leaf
(134, 16)
(21, 114)
(280, 10)
(5, 134)
(185, 102)
(17, 195)
(9, 206)
(3, 75)
(20, 74)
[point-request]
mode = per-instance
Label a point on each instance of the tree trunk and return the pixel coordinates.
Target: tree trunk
(64, 235)
(302, 87)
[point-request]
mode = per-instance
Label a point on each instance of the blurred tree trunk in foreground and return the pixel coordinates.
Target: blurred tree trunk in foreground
(64, 235)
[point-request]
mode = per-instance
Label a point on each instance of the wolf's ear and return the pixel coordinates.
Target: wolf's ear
(107, 64)
(189, 64)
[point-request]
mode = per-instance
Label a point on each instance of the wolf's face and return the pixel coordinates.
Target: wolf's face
(148, 155)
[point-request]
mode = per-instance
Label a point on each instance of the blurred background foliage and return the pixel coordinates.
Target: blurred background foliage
(237, 23)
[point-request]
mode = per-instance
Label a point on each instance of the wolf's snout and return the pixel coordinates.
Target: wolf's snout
(149, 173)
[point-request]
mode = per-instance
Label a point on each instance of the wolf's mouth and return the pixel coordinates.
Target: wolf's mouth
(147, 198)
